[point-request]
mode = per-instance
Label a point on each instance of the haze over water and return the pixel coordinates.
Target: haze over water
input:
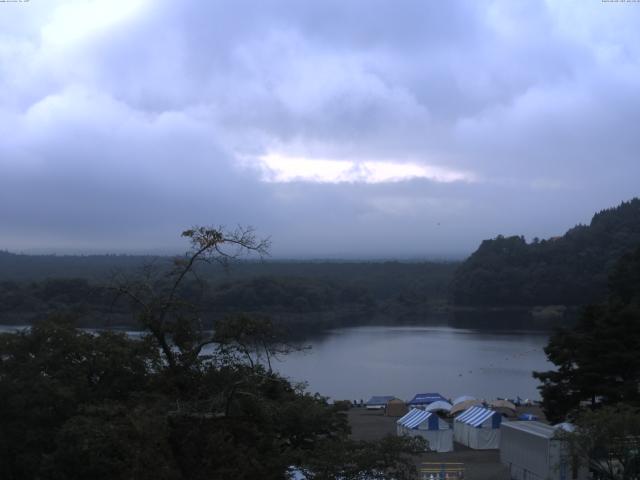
(356, 363)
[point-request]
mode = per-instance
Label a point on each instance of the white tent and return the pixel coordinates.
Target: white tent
(464, 405)
(440, 405)
(532, 451)
(462, 398)
(478, 428)
(437, 432)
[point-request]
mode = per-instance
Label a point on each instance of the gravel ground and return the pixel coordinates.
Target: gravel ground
(479, 464)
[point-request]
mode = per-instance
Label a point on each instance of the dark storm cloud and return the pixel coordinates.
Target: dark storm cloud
(127, 121)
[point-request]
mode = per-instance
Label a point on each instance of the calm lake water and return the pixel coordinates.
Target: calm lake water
(356, 363)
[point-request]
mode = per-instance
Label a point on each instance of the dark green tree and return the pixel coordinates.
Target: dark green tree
(608, 441)
(49, 374)
(567, 270)
(598, 361)
(180, 403)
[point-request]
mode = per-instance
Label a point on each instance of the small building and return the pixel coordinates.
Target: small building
(424, 399)
(436, 432)
(378, 402)
(396, 408)
(478, 428)
(533, 451)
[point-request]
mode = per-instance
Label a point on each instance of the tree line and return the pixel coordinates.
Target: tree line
(567, 270)
(181, 402)
(596, 380)
(391, 291)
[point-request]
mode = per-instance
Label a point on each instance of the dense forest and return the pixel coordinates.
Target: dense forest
(597, 360)
(595, 380)
(303, 295)
(504, 272)
(78, 405)
(567, 270)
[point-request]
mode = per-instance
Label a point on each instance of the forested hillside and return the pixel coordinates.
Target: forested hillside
(567, 270)
(305, 295)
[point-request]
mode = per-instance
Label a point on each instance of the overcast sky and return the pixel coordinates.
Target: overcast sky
(360, 128)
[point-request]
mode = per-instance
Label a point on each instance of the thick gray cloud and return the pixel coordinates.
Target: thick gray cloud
(362, 128)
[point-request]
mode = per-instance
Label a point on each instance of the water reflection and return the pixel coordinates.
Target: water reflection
(355, 363)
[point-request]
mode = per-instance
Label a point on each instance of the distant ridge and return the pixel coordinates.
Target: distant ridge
(567, 270)
(17, 266)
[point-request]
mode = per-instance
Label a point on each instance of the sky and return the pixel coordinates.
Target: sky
(359, 129)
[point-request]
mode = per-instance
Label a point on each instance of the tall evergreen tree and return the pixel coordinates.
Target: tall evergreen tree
(598, 361)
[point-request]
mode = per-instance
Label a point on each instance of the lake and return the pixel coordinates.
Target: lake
(356, 363)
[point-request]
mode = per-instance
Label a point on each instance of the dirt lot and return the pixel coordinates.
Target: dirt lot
(479, 464)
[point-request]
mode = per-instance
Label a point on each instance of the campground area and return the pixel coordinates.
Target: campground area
(478, 464)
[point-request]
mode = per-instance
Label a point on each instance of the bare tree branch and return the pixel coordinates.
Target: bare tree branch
(162, 311)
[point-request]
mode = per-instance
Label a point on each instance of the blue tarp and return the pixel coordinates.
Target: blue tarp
(426, 399)
(527, 417)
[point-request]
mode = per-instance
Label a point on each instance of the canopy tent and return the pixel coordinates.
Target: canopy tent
(440, 405)
(378, 402)
(506, 412)
(423, 399)
(478, 428)
(420, 423)
(462, 398)
(395, 408)
(462, 406)
(505, 407)
(532, 451)
(503, 404)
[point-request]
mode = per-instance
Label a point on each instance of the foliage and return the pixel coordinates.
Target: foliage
(49, 374)
(156, 296)
(178, 403)
(610, 439)
(302, 303)
(598, 361)
(357, 460)
(567, 270)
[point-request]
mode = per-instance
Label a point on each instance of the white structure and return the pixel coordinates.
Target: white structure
(438, 406)
(532, 451)
(378, 402)
(464, 405)
(462, 398)
(437, 432)
(478, 428)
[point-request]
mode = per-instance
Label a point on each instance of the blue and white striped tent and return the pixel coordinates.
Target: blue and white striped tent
(478, 428)
(419, 423)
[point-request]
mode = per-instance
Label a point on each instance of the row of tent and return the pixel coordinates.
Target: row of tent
(530, 449)
(434, 402)
(419, 400)
(476, 428)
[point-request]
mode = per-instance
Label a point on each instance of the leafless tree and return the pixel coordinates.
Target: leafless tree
(155, 293)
